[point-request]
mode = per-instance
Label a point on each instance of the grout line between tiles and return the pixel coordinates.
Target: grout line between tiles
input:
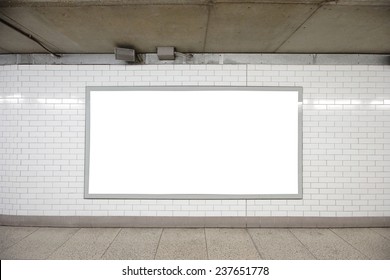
(246, 75)
(63, 243)
(349, 243)
(373, 230)
(19, 240)
(109, 245)
(70, 236)
(257, 249)
(205, 239)
(158, 244)
(307, 248)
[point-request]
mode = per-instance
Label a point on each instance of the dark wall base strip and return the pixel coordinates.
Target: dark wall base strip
(132, 221)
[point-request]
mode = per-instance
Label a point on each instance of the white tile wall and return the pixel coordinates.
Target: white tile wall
(346, 128)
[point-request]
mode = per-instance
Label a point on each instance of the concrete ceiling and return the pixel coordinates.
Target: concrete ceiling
(198, 26)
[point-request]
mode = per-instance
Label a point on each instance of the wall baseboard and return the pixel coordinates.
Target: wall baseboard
(149, 221)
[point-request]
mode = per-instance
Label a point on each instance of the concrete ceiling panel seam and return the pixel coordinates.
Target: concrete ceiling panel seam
(253, 27)
(292, 33)
(16, 27)
(345, 29)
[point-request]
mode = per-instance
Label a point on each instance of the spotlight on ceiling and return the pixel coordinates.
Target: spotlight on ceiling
(125, 54)
(166, 53)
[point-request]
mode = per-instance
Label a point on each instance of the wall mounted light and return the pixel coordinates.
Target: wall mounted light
(166, 53)
(125, 54)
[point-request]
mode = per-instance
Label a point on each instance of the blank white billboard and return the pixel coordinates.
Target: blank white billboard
(193, 143)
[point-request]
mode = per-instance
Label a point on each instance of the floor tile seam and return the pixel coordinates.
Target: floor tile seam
(59, 247)
(304, 245)
(109, 245)
(373, 230)
(205, 240)
(346, 241)
(158, 243)
(254, 243)
(9, 247)
(70, 236)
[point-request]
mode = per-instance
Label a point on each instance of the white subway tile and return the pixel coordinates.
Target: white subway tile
(346, 131)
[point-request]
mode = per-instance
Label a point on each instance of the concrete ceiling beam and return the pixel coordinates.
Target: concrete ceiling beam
(78, 3)
(254, 26)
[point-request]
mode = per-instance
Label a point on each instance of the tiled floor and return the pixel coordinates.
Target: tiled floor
(193, 243)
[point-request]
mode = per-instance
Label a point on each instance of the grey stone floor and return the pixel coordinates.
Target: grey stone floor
(193, 243)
